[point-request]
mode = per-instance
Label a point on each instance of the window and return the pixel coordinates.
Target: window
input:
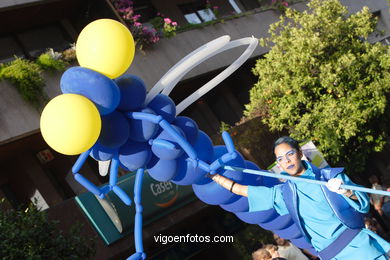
(33, 42)
(145, 9)
(196, 12)
(39, 39)
(9, 47)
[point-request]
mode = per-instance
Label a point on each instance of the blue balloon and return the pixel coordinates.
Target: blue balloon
(186, 173)
(101, 90)
(164, 152)
(101, 153)
(252, 179)
(291, 232)
(204, 147)
(240, 205)
(189, 127)
(213, 193)
(123, 167)
(270, 182)
(278, 223)
(164, 106)
(162, 170)
(134, 155)
(141, 130)
(133, 92)
(115, 130)
(257, 217)
(220, 150)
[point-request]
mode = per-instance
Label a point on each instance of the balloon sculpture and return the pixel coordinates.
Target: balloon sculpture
(111, 117)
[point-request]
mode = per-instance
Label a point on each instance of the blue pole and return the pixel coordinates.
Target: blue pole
(287, 177)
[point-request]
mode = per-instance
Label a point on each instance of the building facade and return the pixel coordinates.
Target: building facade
(30, 169)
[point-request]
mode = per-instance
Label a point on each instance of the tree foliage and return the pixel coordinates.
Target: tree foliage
(322, 80)
(28, 234)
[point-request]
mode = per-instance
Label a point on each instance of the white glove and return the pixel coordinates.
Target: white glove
(334, 185)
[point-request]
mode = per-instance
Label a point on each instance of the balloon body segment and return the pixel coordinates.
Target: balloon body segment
(132, 92)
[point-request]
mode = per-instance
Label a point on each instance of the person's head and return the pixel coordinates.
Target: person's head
(373, 179)
(273, 250)
(261, 254)
(280, 241)
(370, 224)
(288, 155)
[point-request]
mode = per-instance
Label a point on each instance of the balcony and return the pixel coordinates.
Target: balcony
(19, 118)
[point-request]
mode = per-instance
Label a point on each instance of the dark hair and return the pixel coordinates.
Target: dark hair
(287, 140)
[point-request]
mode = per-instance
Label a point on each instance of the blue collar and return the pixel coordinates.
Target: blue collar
(311, 170)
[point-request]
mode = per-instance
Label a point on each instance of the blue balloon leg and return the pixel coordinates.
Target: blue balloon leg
(87, 184)
(114, 170)
(138, 213)
(145, 116)
(122, 195)
(228, 142)
(114, 179)
(80, 161)
(80, 178)
(227, 157)
(136, 256)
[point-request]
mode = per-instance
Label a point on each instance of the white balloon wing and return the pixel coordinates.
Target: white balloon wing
(166, 84)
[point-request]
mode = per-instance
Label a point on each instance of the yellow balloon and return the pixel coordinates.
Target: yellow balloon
(70, 124)
(106, 46)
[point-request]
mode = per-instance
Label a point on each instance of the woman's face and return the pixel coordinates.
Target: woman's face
(289, 159)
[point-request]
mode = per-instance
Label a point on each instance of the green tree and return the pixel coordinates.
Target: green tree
(322, 80)
(28, 234)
